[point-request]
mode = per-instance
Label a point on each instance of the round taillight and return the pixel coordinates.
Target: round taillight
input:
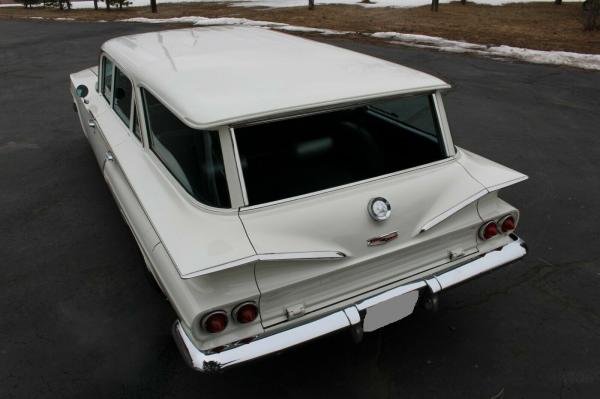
(488, 230)
(508, 224)
(215, 322)
(246, 313)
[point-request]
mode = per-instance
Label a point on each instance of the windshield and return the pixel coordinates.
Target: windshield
(297, 156)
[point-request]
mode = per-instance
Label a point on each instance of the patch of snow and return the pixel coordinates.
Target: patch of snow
(586, 61)
(64, 19)
(203, 21)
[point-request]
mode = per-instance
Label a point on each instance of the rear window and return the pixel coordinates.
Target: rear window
(297, 156)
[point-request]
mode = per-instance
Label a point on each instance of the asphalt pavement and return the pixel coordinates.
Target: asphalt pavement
(78, 317)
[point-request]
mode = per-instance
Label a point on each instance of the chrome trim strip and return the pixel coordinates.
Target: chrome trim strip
(446, 214)
(281, 256)
(313, 255)
(342, 318)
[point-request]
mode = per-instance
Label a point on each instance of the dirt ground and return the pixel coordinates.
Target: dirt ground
(542, 26)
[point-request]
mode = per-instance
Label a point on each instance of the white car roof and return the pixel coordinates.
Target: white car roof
(214, 76)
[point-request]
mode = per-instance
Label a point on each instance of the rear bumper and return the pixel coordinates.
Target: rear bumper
(347, 317)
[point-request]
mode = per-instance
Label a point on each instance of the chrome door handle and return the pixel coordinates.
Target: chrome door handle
(92, 123)
(109, 156)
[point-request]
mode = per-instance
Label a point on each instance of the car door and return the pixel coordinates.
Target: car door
(124, 146)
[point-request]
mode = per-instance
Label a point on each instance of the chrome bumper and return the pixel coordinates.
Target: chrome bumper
(347, 317)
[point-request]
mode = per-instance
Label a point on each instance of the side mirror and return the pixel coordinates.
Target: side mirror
(82, 91)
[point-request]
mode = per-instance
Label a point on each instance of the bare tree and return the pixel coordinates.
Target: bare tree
(435, 4)
(311, 4)
(591, 14)
(153, 6)
(95, 4)
(558, 2)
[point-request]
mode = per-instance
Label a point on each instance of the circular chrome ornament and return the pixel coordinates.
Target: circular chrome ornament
(379, 209)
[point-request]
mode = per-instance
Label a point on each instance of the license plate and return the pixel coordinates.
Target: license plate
(390, 311)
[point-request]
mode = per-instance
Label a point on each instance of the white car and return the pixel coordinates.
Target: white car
(281, 189)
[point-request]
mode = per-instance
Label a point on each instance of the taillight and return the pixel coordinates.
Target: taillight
(507, 224)
(245, 312)
(215, 322)
(488, 230)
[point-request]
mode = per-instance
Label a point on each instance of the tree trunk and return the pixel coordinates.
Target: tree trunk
(96, 5)
(60, 5)
(558, 2)
(68, 4)
(463, 2)
(153, 6)
(434, 5)
(107, 5)
(311, 4)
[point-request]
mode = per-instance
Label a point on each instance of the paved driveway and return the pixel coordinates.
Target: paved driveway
(79, 319)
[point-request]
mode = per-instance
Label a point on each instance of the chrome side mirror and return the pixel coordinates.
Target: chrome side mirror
(82, 91)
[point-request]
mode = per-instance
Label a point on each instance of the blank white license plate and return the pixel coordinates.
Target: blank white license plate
(390, 311)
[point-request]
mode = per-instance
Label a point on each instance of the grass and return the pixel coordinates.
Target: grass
(541, 26)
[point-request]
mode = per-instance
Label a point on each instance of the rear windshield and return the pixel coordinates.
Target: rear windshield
(297, 156)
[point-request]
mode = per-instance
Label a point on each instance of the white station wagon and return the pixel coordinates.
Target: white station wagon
(281, 189)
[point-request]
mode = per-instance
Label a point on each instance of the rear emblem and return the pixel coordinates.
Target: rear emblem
(384, 239)
(379, 208)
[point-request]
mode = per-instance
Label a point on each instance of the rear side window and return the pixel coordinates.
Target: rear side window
(192, 156)
(123, 94)
(107, 78)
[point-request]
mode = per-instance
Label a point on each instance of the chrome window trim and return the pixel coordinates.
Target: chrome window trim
(443, 123)
(238, 163)
(230, 161)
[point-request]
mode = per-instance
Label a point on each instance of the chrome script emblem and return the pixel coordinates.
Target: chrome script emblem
(379, 208)
(384, 239)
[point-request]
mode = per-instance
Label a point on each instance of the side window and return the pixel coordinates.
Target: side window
(192, 156)
(122, 96)
(107, 78)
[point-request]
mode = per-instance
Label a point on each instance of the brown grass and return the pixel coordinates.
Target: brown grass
(542, 26)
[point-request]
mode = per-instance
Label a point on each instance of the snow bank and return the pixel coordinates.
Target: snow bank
(203, 21)
(586, 61)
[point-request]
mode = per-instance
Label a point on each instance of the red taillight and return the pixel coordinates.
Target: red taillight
(245, 313)
(488, 230)
(508, 224)
(215, 322)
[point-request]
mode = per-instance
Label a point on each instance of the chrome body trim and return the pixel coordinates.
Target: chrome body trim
(279, 256)
(350, 316)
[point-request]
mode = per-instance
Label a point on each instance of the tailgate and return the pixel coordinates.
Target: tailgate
(338, 221)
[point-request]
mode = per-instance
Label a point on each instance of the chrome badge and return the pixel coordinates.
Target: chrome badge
(379, 209)
(384, 239)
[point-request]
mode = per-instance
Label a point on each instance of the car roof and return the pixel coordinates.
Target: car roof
(214, 76)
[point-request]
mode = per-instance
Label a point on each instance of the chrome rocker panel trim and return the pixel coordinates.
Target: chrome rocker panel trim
(341, 319)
